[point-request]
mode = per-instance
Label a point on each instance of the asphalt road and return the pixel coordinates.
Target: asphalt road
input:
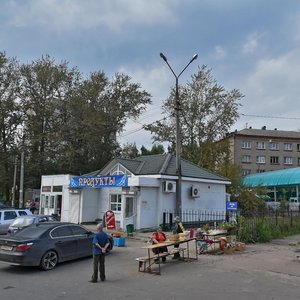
(262, 271)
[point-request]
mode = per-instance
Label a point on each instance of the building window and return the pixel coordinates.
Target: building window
(57, 188)
(246, 172)
(51, 202)
(298, 147)
(274, 160)
(116, 202)
(260, 159)
(119, 170)
(287, 147)
(288, 160)
(274, 146)
(298, 161)
(246, 145)
(260, 145)
(246, 159)
(260, 171)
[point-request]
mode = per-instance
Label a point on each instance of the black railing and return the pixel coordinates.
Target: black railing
(194, 218)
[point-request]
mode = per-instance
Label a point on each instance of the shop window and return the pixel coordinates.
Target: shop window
(115, 202)
(47, 202)
(129, 207)
(51, 202)
(57, 188)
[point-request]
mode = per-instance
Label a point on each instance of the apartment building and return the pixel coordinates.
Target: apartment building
(261, 150)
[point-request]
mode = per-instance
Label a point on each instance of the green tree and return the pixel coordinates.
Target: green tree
(129, 150)
(207, 111)
(156, 149)
(96, 112)
(10, 120)
(44, 87)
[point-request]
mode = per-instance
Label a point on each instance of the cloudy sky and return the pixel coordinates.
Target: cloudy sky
(250, 45)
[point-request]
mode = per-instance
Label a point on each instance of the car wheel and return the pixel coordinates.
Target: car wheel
(49, 260)
(111, 244)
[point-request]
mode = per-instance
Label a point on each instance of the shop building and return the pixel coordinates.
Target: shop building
(148, 188)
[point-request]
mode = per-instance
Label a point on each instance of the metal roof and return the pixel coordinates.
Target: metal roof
(267, 133)
(286, 177)
(161, 164)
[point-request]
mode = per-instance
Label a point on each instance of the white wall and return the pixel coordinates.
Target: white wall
(147, 207)
(212, 197)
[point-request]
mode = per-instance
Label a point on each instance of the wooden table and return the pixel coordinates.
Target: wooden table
(151, 257)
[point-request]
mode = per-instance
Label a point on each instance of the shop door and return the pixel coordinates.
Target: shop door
(130, 211)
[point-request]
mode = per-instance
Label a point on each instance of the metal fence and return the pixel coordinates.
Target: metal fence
(194, 218)
(279, 221)
(276, 218)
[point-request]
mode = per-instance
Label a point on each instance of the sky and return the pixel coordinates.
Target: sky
(249, 45)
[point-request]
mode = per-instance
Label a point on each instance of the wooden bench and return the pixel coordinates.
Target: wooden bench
(144, 260)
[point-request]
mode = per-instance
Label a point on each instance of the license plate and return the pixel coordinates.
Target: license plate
(7, 248)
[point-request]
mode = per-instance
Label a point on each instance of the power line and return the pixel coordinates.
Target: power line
(141, 127)
(271, 117)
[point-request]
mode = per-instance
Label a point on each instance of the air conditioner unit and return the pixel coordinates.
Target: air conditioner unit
(170, 186)
(194, 192)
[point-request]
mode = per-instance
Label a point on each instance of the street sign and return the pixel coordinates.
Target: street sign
(231, 205)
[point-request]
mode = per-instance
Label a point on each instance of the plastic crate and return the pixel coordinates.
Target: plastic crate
(119, 241)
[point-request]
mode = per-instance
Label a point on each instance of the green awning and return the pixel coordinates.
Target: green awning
(286, 177)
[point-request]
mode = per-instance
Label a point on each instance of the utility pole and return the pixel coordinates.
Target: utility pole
(178, 206)
(14, 185)
(21, 193)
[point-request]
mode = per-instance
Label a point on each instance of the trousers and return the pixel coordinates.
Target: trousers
(98, 266)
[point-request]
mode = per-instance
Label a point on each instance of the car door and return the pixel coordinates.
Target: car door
(7, 217)
(84, 240)
(65, 242)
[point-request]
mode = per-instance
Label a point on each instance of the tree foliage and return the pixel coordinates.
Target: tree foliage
(10, 120)
(69, 123)
(207, 111)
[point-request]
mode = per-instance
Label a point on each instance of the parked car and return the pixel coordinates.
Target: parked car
(20, 223)
(47, 244)
(3, 205)
(7, 215)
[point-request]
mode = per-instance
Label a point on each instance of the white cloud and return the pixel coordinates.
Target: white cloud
(252, 43)
(158, 81)
(71, 14)
(220, 52)
(273, 90)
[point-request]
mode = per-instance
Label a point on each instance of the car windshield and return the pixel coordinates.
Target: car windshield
(32, 232)
(22, 222)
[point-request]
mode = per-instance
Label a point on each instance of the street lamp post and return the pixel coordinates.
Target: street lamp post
(178, 143)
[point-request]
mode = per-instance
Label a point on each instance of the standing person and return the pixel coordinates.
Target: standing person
(100, 244)
(178, 229)
(32, 206)
(159, 237)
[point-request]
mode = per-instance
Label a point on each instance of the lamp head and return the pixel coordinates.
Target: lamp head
(195, 56)
(163, 57)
